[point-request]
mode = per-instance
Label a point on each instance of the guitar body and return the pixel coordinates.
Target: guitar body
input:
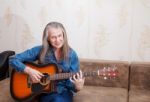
(21, 88)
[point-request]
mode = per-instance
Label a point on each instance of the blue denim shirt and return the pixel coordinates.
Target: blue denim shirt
(67, 66)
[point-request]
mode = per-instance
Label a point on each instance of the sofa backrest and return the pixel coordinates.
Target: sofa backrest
(140, 76)
(87, 65)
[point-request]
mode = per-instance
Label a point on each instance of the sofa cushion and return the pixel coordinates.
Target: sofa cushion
(139, 96)
(5, 91)
(140, 76)
(101, 94)
(89, 65)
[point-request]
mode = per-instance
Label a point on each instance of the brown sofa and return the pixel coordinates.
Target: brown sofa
(97, 89)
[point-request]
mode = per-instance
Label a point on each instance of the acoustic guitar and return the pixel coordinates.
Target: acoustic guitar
(22, 89)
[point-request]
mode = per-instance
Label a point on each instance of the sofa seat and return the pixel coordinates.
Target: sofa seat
(139, 96)
(88, 94)
(101, 94)
(5, 91)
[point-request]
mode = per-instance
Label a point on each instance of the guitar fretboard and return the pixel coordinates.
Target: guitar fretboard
(68, 75)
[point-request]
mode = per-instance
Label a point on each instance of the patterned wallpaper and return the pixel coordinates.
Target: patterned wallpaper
(97, 29)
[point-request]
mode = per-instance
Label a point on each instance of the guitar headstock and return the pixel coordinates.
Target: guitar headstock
(108, 72)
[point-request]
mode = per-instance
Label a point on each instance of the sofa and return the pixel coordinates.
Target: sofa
(132, 83)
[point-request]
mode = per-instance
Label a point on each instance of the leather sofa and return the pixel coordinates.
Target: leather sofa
(131, 85)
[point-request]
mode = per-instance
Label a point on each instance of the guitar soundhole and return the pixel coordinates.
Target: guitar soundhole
(45, 79)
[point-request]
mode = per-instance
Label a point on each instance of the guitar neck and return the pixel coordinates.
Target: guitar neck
(68, 75)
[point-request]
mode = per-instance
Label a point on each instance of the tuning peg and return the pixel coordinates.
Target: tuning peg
(105, 78)
(104, 69)
(114, 68)
(108, 69)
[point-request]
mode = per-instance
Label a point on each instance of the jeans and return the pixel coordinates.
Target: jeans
(65, 96)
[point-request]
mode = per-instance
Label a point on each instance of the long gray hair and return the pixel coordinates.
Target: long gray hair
(46, 44)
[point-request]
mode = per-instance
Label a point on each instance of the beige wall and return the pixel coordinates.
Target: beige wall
(99, 29)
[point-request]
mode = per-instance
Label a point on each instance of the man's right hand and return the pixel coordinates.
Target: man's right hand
(34, 75)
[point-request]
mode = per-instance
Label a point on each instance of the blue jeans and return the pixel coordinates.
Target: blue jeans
(66, 96)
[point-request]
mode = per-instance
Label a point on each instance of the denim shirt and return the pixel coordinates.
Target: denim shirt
(72, 65)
